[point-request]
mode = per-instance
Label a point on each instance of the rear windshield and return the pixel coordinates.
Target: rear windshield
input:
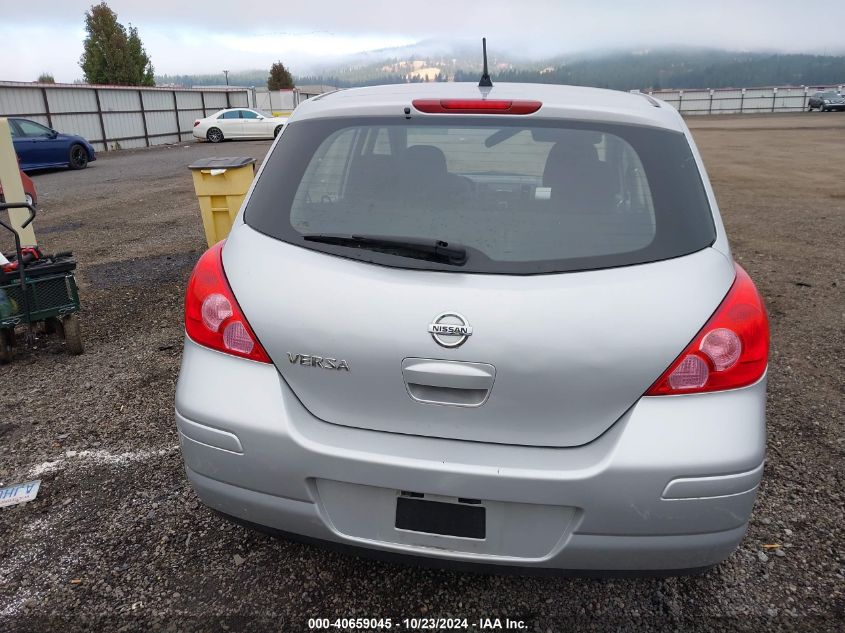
(521, 197)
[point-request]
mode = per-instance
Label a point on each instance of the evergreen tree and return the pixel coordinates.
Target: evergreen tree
(110, 54)
(279, 78)
(139, 63)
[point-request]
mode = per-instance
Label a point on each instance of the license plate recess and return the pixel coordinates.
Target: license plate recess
(437, 517)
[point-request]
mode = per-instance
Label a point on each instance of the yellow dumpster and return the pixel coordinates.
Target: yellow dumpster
(221, 184)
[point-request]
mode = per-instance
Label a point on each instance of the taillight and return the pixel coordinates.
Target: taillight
(729, 352)
(196, 123)
(212, 316)
(476, 106)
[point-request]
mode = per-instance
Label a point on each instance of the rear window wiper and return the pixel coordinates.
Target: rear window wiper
(429, 249)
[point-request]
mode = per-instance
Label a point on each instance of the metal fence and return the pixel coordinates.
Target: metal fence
(741, 100)
(113, 117)
(282, 102)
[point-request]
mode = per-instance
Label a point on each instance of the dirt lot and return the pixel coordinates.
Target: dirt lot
(117, 540)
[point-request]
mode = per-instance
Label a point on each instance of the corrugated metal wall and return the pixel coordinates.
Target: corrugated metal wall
(278, 101)
(740, 100)
(113, 117)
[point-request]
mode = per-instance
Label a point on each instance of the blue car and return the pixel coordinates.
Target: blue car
(39, 147)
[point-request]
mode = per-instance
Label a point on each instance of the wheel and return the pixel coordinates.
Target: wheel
(822, 108)
(6, 340)
(73, 335)
(277, 130)
(27, 197)
(78, 158)
(214, 135)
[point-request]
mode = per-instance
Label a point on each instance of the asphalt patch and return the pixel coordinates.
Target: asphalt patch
(59, 228)
(141, 271)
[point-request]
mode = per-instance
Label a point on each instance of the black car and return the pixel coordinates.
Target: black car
(825, 101)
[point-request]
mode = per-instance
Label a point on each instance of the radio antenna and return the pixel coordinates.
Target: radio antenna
(485, 81)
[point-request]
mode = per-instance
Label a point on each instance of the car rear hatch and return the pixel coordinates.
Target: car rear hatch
(486, 348)
(569, 353)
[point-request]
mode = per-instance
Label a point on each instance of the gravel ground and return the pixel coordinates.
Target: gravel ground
(117, 541)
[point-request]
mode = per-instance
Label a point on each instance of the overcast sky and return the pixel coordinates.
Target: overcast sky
(210, 35)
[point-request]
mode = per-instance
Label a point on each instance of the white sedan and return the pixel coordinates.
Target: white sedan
(238, 123)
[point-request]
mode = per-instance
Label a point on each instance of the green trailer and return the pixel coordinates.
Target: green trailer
(41, 295)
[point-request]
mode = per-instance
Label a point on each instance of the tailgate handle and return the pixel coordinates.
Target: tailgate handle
(448, 382)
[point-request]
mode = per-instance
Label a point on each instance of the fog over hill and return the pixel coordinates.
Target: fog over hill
(434, 60)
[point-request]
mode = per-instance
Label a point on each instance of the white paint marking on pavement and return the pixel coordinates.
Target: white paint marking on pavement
(38, 530)
(89, 458)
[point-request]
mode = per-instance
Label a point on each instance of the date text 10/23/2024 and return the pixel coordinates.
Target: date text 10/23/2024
(416, 624)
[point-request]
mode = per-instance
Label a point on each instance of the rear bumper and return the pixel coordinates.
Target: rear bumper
(670, 486)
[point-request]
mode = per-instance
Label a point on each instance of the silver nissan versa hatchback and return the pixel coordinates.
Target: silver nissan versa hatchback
(480, 325)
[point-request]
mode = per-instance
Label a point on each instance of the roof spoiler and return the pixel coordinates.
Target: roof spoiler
(650, 99)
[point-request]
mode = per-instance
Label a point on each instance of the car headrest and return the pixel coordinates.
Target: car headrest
(425, 161)
(574, 152)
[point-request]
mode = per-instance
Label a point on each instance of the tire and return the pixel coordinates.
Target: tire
(277, 130)
(26, 197)
(73, 335)
(6, 340)
(214, 135)
(822, 108)
(77, 157)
